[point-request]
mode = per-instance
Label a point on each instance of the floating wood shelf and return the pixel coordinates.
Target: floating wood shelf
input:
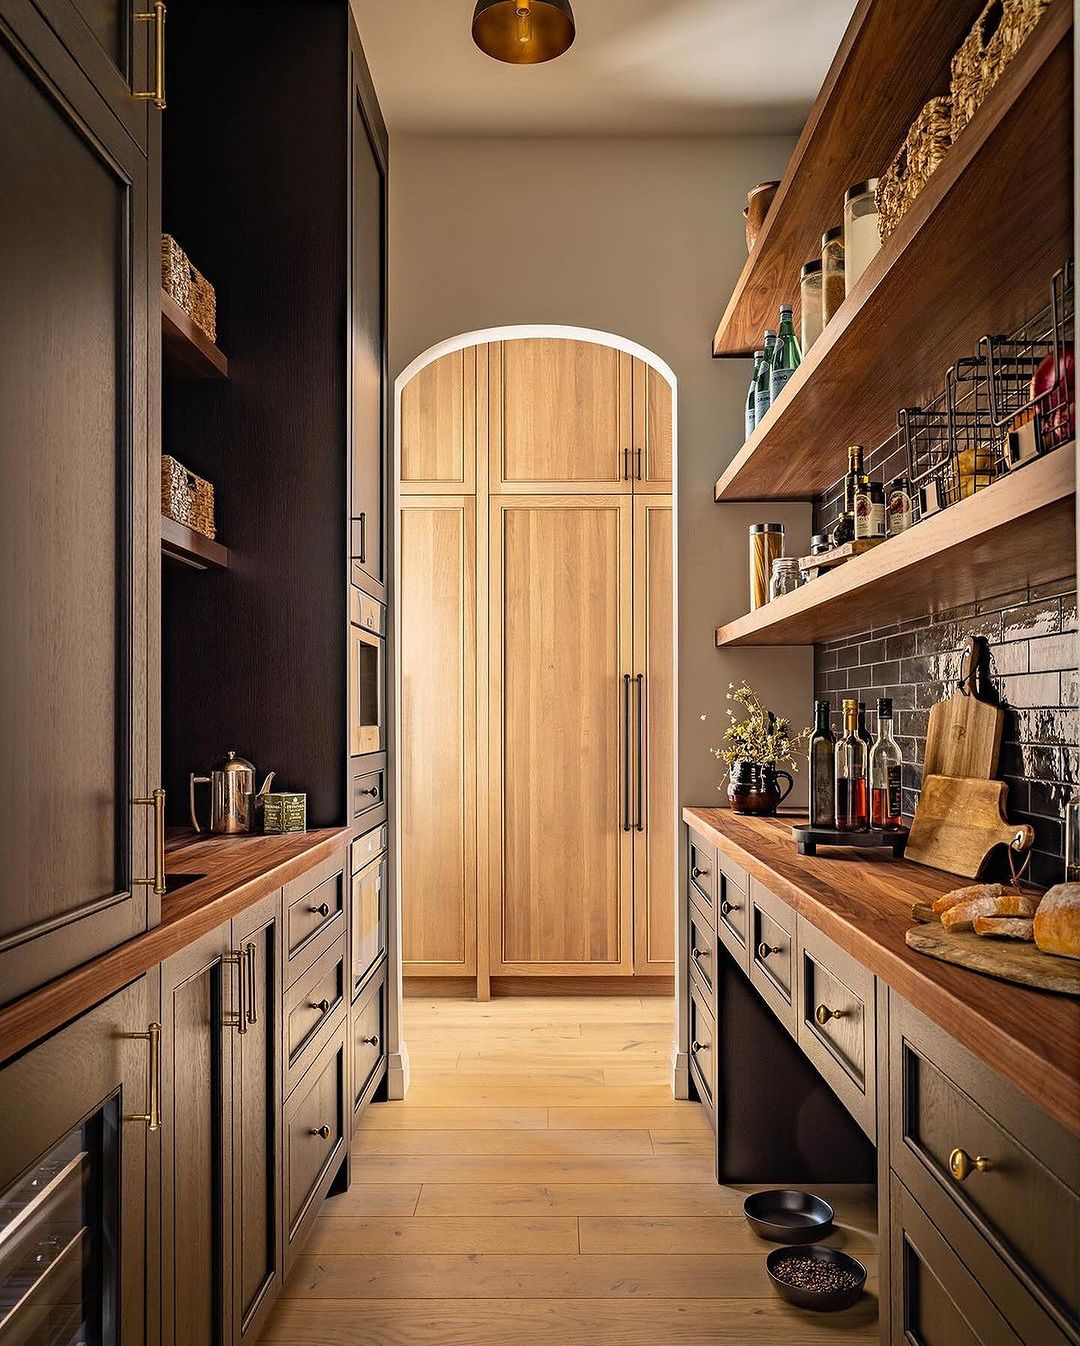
(1019, 530)
(186, 350)
(180, 543)
(973, 255)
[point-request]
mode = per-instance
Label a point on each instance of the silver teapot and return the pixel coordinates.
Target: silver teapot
(233, 798)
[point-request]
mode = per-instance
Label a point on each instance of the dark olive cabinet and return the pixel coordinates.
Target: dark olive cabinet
(80, 1120)
(77, 491)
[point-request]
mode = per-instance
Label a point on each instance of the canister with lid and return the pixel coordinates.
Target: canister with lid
(810, 299)
(766, 545)
(833, 285)
(861, 237)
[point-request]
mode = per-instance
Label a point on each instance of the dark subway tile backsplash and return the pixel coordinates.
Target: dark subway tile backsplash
(1033, 645)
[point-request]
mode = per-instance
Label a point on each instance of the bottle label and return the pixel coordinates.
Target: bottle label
(750, 416)
(778, 381)
(761, 405)
(901, 512)
(869, 516)
(895, 799)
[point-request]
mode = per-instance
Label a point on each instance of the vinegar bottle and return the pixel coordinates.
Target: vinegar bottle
(885, 762)
(852, 813)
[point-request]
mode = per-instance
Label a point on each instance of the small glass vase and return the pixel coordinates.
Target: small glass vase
(755, 789)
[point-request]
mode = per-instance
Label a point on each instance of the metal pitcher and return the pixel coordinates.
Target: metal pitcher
(233, 798)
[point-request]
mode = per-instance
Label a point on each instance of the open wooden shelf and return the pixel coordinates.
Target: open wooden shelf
(973, 255)
(186, 350)
(1019, 530)
(180, 543)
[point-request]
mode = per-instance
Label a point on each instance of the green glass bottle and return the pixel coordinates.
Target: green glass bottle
(762, 399)
(786, 356)
(751, 396)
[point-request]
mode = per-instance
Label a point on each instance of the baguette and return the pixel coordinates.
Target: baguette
(1005, 927)
(959, 895)
(1057, 929)
(962, 916)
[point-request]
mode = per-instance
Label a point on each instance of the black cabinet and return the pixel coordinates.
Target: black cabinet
(77, 484)
(79, 1113)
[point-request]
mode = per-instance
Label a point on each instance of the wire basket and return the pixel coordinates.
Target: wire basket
(952, 447)
(1031, 377)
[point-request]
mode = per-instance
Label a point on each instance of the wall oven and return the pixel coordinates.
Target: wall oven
(367, 674)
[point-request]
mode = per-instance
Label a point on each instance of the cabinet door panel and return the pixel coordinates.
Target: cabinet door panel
(561, 835)
(652, 431)
(438, 425)
(561, 417)
(73, 517)
(438, 735)
(654, 805)
(367, 429)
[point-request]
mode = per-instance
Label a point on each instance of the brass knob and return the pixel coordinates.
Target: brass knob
(372, 1041)
(321, 1131)
(696, 1046)
(697, 953)
(823, 1014)
(728, 907)
(962, 1165)
(696, 873)
(763, 949)
(323, 909)
(321, 1005)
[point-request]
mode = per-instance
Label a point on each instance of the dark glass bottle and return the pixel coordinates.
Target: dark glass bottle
(786, 355)
(852, 812)
(885, 762)
(822, 769)
(855, 481)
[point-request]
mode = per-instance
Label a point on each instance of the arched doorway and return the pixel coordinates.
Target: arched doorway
(534, 826)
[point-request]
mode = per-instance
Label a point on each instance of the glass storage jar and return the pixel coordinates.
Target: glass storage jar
(811, 320)
(861, 237)
(766, 544)
(785, 576)
(833, 285)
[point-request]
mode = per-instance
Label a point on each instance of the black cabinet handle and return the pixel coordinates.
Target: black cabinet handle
(697, 873)
(640, 752)
(322, 1131)
(727, 907)
(323, 909)
(359, 538)
(698, 953)
(322, 1006)
(372, 790)
(696, 1046)
(372, 1041)
(763, 950)
(627, 825)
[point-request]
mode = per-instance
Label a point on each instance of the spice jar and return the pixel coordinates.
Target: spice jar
(819, 544)
(766, 545)
(810, 300)
(861, 237)
(785, 576)
(833, 284)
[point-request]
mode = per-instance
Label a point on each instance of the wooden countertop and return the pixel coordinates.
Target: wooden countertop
(863, 900)
(234, 873)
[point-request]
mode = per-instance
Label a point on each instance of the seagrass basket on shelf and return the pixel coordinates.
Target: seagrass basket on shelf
(924, 147)
(188, 286)
(186, 497)
(981, 59)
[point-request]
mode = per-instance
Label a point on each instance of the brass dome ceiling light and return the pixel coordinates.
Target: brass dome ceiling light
(523, 32)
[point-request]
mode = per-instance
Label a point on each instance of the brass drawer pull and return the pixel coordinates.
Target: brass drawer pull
(726, 907)
(763, 950)
(372, 1041)
(323, 909)
(697, 873)
(699, 953)
(323, 1006)
(962, 1165)
(156, 16)
(242, 1015)
(321, 1131)
(156, 801)
(152, 1037)
(252, 983)
(696, 1046)
(823, 1014)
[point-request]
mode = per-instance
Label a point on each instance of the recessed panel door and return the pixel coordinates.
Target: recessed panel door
(652, 463)
(438, 424)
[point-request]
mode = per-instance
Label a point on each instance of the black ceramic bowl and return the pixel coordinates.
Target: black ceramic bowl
(788, 1217)
(824, 1301)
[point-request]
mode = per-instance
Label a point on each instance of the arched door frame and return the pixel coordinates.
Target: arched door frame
(398, 1068)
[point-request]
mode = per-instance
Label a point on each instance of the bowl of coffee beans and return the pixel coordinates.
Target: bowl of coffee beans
(816, 1278)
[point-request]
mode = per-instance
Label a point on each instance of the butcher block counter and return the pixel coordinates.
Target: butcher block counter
(862, 900)
(230, 874)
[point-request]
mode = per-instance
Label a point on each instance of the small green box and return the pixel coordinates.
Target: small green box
(285, 812)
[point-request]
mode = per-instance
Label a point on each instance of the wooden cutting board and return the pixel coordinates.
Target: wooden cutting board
(958, 823)
(964, 734)
(1011, 960)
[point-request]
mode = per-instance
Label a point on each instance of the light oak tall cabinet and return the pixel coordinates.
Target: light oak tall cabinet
(536, 665)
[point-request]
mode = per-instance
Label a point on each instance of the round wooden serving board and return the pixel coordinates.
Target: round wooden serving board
(1011, 960)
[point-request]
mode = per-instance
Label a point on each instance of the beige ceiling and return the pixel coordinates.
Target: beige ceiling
(662, 67)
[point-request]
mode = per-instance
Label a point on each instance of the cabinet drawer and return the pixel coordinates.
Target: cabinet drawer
(314, 1140)
(369, 1040)
(368, 918)
(368, 795)
(733, 911)
(701, 944)
(837, 1022)
(772, 953)
(368, 846)
(935, 1301)
(314, 919)
(701, 866)
(703, 1049)
(311, 1007)
(949, 1110)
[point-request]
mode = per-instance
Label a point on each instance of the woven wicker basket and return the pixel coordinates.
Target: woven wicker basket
(188, 286)
(925, 145)
(186, 497)
(999, 33)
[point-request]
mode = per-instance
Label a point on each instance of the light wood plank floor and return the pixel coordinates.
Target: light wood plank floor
(540, 1187)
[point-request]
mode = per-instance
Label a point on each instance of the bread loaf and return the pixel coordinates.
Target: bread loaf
(959, 895)
(1057, 924)
(1005, 927)
(962, 916)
